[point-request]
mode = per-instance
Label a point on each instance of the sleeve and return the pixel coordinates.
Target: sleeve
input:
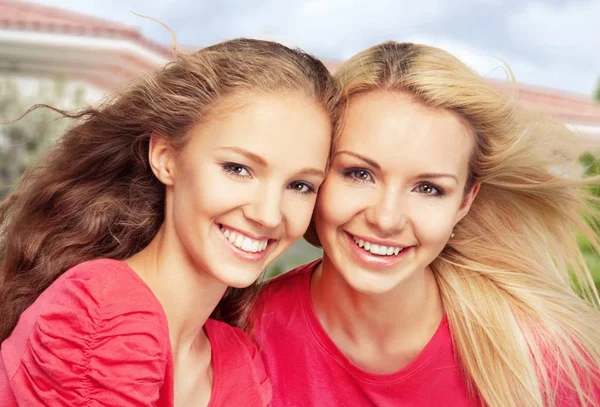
(98, 342)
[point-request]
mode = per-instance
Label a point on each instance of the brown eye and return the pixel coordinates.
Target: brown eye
(358, 174)
(302, 187)
(237, 170)
(429, 189)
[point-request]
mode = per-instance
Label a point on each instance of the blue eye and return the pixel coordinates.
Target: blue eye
(429, 189)
(358, 174)
(236, 170)
(302, 188)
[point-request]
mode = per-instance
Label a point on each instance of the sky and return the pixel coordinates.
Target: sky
(550, 43)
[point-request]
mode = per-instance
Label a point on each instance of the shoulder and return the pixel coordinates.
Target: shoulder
(281, 304)
(287, 286)
(241, 373)
(224, 335)
(96, 292)
(96, 326)
(107, 282)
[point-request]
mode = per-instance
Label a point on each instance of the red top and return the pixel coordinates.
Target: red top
(307, 369)
(99, 337)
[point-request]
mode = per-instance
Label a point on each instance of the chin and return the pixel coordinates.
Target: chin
(364, 283)
(238, 278)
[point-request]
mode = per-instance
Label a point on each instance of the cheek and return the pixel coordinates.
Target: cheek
(202, 192)
(433, 221)
(339, 203)
(297, 211)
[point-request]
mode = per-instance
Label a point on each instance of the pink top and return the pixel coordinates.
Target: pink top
(307, 369)
(99, 337)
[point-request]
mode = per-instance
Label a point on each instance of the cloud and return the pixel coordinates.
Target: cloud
(563, 38)
(568, 30)
(545, 44)
(553, 74)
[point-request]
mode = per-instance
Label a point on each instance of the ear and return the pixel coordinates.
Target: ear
(160, 155)
(465, 206)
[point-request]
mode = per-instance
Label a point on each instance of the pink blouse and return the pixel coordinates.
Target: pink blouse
(99, 337)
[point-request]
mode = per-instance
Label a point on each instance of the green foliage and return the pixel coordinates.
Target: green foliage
(300, 253)
(591, 165)
(597, 94)
(23, 142)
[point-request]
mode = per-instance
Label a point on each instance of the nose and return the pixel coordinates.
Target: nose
(388, 214)
(265, 208)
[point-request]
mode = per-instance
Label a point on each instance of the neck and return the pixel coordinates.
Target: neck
(187, 294)
(401, 321)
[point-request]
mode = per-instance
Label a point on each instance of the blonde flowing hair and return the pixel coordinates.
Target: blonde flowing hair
(518, 295)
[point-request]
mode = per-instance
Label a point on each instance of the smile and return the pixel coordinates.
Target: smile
(377, 249)
(376, 255)
(244, 242)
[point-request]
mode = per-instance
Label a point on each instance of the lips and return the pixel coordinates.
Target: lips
(375, 255)
(244, 242)
(245, 246)
(374, 248)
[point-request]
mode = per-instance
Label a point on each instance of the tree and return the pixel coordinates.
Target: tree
(591, 165)
(597, 94)
(23, 142)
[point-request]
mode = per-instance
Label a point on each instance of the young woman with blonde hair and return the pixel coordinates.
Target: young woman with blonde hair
(451, 274)
(118, 246)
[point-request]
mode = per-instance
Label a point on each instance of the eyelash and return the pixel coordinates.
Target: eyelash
(310, 188)
(439, 191)
(232, 169)
(352, 173)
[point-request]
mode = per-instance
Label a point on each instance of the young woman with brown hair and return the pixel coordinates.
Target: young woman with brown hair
(118, 246)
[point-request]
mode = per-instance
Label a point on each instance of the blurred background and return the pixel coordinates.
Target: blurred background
(69, 53)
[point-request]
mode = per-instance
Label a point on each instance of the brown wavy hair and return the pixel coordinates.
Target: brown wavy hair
(93, 195)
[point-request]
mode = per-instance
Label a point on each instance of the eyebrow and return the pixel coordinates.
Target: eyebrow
(261, 161)
(251, 156)
(438, 175)
(312, 171)
(374, 164)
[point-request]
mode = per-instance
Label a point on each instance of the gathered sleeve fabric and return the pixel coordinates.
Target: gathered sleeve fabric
(99, 338)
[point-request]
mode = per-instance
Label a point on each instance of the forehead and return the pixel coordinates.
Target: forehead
(272, 126)
(392, 128)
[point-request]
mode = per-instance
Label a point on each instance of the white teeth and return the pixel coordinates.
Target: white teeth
(378, 249)
(238, 241)
(232, 237)
(243, 242)
(247, 245)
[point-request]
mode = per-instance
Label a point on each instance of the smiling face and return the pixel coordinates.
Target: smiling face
(395, 190)
(244, 187)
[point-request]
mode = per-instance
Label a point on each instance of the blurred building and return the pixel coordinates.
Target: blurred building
(40, 43)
